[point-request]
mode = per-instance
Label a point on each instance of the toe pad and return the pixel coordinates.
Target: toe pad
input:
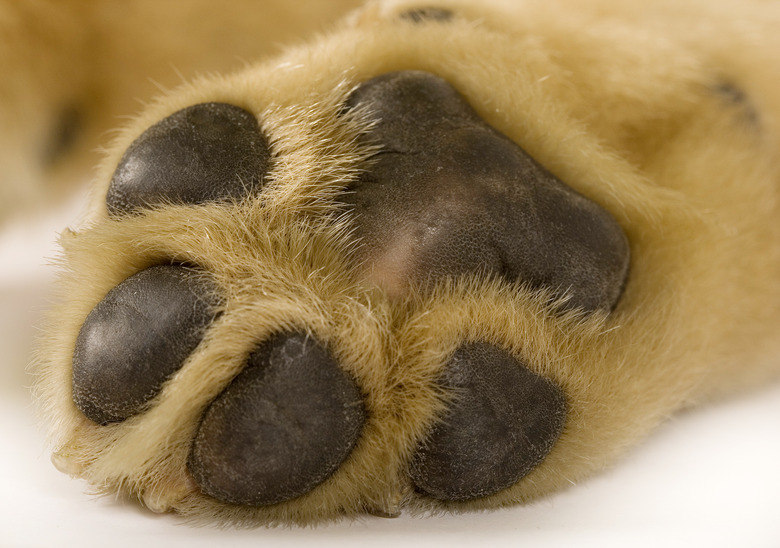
(137, 337)
(503, 421)
(282, 427)
(206, 152)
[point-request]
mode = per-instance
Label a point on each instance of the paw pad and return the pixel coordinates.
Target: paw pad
(449, 195)
(206, 152)
(137, 337)
(284, 425)
(502, 422)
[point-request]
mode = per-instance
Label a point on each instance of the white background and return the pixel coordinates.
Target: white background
(709, 477)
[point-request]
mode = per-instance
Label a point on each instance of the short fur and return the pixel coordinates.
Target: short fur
(667, 115)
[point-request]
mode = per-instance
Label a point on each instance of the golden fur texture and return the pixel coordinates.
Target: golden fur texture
(82, 67)
(667, 115)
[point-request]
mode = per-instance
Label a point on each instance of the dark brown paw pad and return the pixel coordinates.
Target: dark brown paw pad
(449, 195)
(282, 427)
(502, 421)
(137, 337)
(203, 153)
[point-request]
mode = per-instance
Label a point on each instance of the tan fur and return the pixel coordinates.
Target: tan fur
(91, 64)
(628, 105)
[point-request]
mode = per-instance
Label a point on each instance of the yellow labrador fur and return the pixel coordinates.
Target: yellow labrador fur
(666, 114)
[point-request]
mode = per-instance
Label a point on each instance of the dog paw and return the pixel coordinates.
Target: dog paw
(249, 345)
(311, 289)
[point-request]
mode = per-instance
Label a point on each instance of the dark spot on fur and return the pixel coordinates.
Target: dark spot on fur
(282, 427)
(204, 153)
(137, 337)
(503, 421)
(63, 136)
(448, 195)
(426, 14)
(736, 97)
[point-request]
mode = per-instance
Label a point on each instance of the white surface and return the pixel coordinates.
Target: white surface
(710, 477)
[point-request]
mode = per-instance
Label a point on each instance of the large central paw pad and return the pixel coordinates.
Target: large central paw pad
(444, 196)
(449, 195)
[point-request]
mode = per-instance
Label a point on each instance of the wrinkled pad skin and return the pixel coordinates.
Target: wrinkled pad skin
(203, 153)
(448, 195)
(502, 422)
(283, 426)
(137, 337)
